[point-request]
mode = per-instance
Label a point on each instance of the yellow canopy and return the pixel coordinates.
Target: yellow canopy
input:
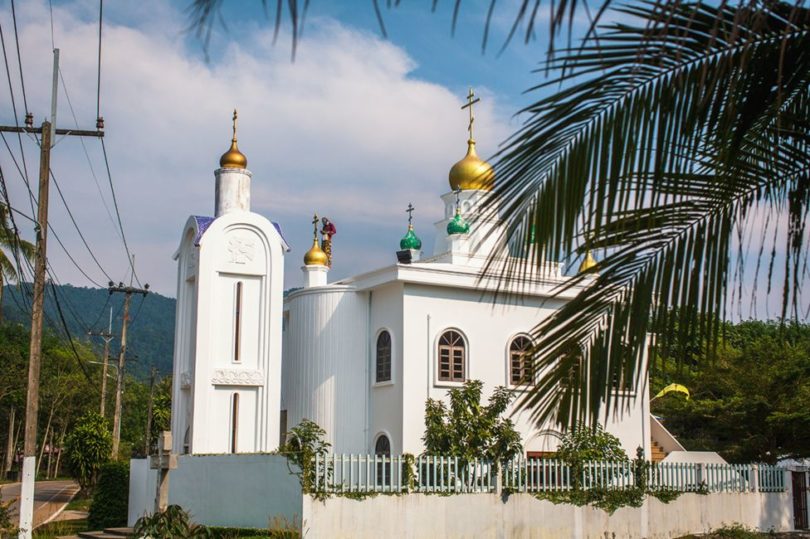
(673, 387)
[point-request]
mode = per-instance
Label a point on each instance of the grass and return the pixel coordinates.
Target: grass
(79, 503)
(59, 528)
(735, 531)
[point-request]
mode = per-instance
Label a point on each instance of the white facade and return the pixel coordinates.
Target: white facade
(331, 333)
(241, 380)
(227, 356)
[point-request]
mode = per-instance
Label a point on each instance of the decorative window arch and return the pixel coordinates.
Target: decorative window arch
(520, 362)
(452, 357)
(383, 357)
(383, 445)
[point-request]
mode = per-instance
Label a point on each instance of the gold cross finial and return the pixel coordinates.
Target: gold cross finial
(235, 116)
(471, 100)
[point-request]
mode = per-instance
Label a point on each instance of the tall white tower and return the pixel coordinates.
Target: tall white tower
(227, 346)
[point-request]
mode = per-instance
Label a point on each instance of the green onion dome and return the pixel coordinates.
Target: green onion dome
(410, 240)
(458, 225)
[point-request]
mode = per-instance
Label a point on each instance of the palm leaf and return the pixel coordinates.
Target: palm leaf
(664, 138)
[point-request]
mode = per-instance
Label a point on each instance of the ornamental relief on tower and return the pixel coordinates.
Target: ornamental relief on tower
(234, 377)
(241, 250)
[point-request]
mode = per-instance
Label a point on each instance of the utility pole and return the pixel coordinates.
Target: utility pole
(107, 336)
(148, 443)
(47, 134)
(119, 385)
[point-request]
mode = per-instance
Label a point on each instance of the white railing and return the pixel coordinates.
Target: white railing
(441, 474)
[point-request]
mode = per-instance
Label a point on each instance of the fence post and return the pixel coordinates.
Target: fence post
(701, 475)
(754, 478)
(499, 477)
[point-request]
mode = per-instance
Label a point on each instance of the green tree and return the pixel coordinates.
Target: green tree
(750, 399)
(12, 251)
(468, 429)
(87, 448)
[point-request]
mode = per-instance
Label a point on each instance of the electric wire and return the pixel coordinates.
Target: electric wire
(16, 119)
(87, 155)
(98, 79)
(76, 226)
(70, 307)
(19, 56)
(79, 360)
(118, 212)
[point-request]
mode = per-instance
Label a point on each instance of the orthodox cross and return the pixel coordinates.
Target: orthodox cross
(409, 211)
(471, 100)
(315, 221)
(458, 198)
(235, 116)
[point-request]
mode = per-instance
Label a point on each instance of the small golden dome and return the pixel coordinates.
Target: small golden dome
(472, 172)
(233, 158)
(315, 256)
(588, 263)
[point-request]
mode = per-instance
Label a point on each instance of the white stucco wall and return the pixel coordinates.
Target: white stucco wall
(222, 490)
(326, 368)
(523, 516)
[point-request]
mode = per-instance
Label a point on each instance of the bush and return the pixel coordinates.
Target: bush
(110, 499)
(87, 448)
(173, 523)
(304, 442)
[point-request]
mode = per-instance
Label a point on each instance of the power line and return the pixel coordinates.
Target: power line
(118, 213)
(19, 56)
(76, 226)
(79, 361)
(87, 155)
(16, 119)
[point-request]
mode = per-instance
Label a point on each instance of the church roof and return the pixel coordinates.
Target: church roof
(203, 222)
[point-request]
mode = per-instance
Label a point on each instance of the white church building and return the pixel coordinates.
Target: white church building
(361, 355)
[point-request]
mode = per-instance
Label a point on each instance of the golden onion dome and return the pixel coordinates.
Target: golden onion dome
(588, 263)
(233, 158)
(315, 256)
(472, 172)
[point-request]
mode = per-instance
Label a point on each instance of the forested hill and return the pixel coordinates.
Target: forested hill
(150, 336)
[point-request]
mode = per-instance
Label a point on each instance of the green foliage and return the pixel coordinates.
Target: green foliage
(750, 398)
(110, 497)
(734, 531)
(7, 526)
(468, 429)
(303, 443)
(582, 444)
(173, 523)
(604, 498)
(87, 447)
(150, 335)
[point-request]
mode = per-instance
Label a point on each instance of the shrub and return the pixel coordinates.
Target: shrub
(109, 506)
(87, 447)
(304, 442)
(173, 523)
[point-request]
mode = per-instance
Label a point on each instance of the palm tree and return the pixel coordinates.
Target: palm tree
(671, 144)
(10, 242)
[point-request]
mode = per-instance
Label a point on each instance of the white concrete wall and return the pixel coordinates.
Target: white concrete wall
(222, 490)
(326, 363)
(523, 516)
(488, 329)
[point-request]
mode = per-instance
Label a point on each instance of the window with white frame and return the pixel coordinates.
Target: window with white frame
(520, 361)
(383, 364)
(452, 357)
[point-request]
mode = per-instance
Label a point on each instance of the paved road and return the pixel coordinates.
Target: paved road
(49, 497)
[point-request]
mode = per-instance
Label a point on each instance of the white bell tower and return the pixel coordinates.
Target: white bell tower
(227, 350)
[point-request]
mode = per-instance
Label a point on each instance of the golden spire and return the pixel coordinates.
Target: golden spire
(315, 256)
(472, 172)
(233, 158)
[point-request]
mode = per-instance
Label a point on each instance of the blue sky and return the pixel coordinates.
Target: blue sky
(355, 129)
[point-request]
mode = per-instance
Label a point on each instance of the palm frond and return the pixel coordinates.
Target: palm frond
(665, 138)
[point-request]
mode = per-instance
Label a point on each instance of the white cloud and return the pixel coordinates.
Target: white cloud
(345, 130)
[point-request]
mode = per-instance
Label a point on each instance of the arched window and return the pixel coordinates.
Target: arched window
(382, 449)
(383, 445)
(520, 362)
(452, 357)
(383, 357)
